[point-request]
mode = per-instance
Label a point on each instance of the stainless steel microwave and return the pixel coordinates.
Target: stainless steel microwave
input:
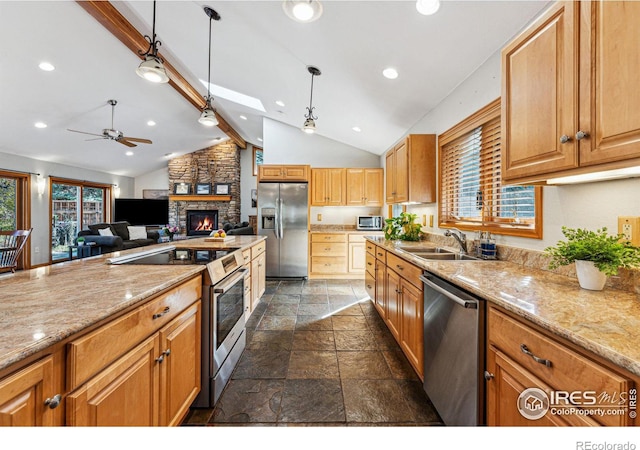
(374, 223)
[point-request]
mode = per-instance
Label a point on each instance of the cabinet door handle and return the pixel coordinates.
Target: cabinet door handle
(564, 139)
(164, 354)
(399, 267)
(160, 314)
(327, 248)
(581, 135)
(369, 286)
(488, 375)
(542, 361)
(53, 402)
(369, 264)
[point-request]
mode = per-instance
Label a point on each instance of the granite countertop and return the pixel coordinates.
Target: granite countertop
(335, 228)
(605, 322)
(43, 306)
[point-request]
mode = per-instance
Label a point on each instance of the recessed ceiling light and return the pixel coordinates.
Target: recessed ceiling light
(260, 139)
(390, 73)
(279, 103)
(151, 123)
(427, 7)
(356, 129)
(46, 66)
(129, 153)
(243, 117)
(40, 125)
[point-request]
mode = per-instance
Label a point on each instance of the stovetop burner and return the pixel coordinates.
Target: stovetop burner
(178, 256)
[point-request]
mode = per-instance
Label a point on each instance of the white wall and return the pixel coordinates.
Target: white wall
(592, 205)
(247, 182)
(158, 179)
(40, 238)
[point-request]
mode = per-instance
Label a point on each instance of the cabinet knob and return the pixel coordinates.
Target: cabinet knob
(54, 402)
(488, 375)
(581, 135)
(564, 139)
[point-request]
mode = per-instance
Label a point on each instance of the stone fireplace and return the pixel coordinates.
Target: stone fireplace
(201, 222)
(217, 164)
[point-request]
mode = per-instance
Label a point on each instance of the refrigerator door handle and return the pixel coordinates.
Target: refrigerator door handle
(280, 219)
(276, 229)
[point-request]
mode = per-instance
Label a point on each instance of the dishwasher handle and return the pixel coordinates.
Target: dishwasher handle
(469, 304)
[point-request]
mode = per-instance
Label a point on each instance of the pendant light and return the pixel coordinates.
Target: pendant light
(304, 11)
(208, 116)
(309, 126)
(152, 68)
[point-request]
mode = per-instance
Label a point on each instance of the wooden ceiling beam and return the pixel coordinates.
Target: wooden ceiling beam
(105, 13)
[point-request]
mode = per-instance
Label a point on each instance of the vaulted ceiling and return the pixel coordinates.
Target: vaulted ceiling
(257, 51)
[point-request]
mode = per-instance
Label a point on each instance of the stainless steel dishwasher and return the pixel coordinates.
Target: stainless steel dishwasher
(453, 351)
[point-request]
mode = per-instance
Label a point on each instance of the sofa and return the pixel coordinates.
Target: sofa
(237, 229)
(120, 238)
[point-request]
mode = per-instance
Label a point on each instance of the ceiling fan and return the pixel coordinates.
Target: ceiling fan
(113, 134)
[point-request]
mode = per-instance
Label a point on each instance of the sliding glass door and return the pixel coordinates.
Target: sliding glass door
(74, 206)
(13, 207)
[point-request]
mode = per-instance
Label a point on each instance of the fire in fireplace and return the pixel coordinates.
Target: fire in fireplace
(201, 222)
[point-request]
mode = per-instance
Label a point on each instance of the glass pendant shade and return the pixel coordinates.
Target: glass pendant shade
(153, 70)
(309, 126)
(208, 117)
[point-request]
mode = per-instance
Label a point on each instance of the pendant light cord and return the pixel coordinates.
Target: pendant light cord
(209, 73)
(311, 97)
(153, 31)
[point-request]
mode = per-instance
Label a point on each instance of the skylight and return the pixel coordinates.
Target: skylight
(235, 97)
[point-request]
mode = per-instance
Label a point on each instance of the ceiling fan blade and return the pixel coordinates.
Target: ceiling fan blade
(96, 139)
(127, 143)
(84, 132)
(142, 141)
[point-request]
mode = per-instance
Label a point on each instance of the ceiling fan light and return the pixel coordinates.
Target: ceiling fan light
(427, 7)
(153, 70)
(303, 11)
(309, 126)
(208, 117)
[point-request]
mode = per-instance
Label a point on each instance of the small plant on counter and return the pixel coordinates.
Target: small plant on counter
(402, 227)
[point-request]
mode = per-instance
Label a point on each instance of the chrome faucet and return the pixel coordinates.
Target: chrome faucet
(462, 238)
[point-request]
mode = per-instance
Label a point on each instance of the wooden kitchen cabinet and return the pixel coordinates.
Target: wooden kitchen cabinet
(357, 261)
(557, 366)
(380, 276)
(258, 274)
(565, 115)
(364, 187)
(269, 172)
(328, 187)
(410, 174)
(412, 325)
(32, 396)
(328, 254)
(394, 303)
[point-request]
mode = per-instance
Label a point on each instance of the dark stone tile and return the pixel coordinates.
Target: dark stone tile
(314, 298)
(313, 309)
(314, 282)
(254, 320)
(355, 340)
(285, 298)
(277, 323)
(312, 401)
(342, 298)
(281, 309)
(363, 365)
(256, 364)
(375, 401)
(256, 401)
(376, 323)
(349, 323)
(346, 309)
(287, 287)
(385, 340)
(313, 365)
(399, 365)
(368, 308)
(313, 340)
(270, 340)
(421, 407)
(314, 289)
(314, 323)
(340, 290)
(338, 282)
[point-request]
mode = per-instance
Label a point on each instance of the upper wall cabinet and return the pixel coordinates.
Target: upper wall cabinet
(283, 173)
(364, 187)
(327, 187)
(570, 92)
(410, 175)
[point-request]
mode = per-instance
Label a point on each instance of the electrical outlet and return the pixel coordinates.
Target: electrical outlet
(629, 226)
(431, 220)
(424, 220)
(319, 217)
(37, 249)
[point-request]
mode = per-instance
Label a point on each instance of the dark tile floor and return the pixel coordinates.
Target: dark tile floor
(318, 354)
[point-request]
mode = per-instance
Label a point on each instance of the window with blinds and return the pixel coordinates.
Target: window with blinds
(472, 196)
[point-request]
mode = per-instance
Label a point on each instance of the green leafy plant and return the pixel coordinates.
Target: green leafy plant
(607, 252)
(402, 227)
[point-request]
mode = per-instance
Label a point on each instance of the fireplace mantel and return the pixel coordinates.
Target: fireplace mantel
(200, 198)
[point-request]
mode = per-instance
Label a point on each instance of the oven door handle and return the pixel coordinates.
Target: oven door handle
(221, 288)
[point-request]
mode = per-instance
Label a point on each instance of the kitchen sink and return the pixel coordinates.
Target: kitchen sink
(416, 249)
(441, 256)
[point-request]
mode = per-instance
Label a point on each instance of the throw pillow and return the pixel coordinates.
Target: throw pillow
(121, 229)
(96, 227)
(137, 233)
(105, 232)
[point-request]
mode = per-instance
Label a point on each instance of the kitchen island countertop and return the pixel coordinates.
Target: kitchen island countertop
(606, 322)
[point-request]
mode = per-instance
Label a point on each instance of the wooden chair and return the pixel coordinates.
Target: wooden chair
(11, 245)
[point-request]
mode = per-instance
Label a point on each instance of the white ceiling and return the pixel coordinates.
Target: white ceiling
(257, 50)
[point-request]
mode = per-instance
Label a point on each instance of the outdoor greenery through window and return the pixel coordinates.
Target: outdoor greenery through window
(8, 203)
(472, 196)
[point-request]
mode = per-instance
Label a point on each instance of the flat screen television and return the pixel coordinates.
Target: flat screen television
(141, 211)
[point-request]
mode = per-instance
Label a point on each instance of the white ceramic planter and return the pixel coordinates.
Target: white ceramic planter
(589, 276)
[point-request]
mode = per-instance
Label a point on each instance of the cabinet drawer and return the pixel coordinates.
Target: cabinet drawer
(381, 254)
(568, 370)
(329, 264)
(356, 238)
(370, 263)
(328, 249)
(93, 352)
(246, 255)
(370, 284)
(258, 249)
(405, 269)
(328, 237)
(371, 248)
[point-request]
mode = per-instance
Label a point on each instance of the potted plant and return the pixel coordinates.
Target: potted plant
(402, 227)
(596, 254)
(80, 240)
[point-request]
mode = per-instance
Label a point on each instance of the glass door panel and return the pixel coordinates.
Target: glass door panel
(8, 203)
(65, 211)
(92, 206)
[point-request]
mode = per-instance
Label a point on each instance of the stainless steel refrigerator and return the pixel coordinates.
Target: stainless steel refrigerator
(283, 217)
